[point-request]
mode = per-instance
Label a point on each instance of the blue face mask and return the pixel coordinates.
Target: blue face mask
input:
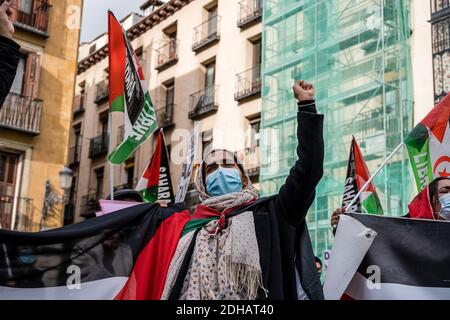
(445, 204)
(223, 181)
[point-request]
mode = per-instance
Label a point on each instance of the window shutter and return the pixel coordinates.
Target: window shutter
(32, 74)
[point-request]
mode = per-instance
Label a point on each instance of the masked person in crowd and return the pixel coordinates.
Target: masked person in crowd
(237, 246)
(431, 203)
(9, 50)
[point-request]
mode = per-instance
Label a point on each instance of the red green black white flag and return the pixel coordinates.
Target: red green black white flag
(156, 184)
(128, 93)
(429, 145)
(357, 175)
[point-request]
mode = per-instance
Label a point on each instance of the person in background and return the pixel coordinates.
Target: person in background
(9, 50)
(432, 203)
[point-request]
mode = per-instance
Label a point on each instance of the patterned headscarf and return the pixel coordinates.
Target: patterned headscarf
(227, 201)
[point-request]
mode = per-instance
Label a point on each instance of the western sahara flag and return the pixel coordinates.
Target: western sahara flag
(156, 184)
(384, 258)
(429, 145)
(124, 255)
(128, 93)
(357, 175)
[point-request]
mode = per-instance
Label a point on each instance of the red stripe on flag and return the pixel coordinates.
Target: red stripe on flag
(362, 172)
(117, 58)
(153, 170)
(148, 277)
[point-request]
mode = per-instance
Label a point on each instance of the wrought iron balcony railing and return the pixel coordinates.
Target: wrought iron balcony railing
(79, 104)
(206, 34)
(167, 54)
(102, 93)
(21, 209)
(250, 12)
(90, 204)
(98, 146)
(248, 83)
(203, 102)
(32, 15)
(21, 113)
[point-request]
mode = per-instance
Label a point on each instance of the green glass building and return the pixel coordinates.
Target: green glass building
(357, 54)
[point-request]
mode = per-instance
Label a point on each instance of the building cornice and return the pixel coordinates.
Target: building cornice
(135, 31)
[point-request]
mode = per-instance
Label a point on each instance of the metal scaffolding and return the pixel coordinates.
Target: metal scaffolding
(357, 54)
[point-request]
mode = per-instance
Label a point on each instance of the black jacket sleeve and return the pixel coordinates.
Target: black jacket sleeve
(298, 192)
(9, 60)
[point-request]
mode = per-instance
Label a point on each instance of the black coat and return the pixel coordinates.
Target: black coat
(281, 231)
(9, 60)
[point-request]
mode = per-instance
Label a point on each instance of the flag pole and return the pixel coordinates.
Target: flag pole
(364, 187)
(111, 167)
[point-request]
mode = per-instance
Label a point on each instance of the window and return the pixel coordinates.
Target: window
(210, 79)
(26, 6)
(78, 138)
(103, 118)
(212, 20)
(17, 86)
(8, 171)
(26, 81)
(173, 45)
(99, 183)
(255, 126)
(257, 60)
(210, 75)
(170, 94)
(441, 56)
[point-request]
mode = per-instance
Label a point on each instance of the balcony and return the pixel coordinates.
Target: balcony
(32, 16)
(90, 204)
(248, 84)
(165, 116)
(98, 146)
(206, 34)
(79, 104)
(203, 103)
(74, 156)
(24, 213)
(167, 54)
(250, 159)
(102, 93)
(439, 8)
(250, 13)
(21, 113)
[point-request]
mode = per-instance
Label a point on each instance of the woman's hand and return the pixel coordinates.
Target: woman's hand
(6, 24)
(303, 91)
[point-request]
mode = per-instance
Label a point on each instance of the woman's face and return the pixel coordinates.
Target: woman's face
(224, 160)
(443, 188)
